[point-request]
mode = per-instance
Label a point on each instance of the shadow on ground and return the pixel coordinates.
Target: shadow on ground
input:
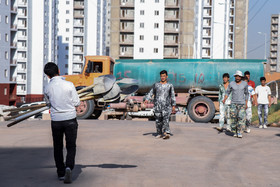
(153, 134)
(277, 135)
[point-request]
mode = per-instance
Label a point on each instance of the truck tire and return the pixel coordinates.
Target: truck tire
(201, 109)
(85, 109)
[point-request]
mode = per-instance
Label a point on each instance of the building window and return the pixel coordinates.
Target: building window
(6, 73)
(67, 2)
(67, 29)
(155, 37)
(7, 19)
(142, 12)
(67, 20)
(156, 25)
(141, 25)
(7, 2)
(141, 50)
(156, 12)
(67, 38)
(67, 11)
(66, 48)
(5, 91)
(142, 1)
(6, 55)
(6, 37)
(156, 1)
(141, 37)
(155, 50)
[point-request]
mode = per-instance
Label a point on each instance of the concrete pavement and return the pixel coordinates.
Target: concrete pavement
(125, 153)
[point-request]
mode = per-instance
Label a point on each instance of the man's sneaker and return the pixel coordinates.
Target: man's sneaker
(260, 126)
(235, 134)
(61, 178)
(159, 136)
(68, 175)
(264, 126)
(248, 130)
(166, 136)
(228, 129)
(239, 135)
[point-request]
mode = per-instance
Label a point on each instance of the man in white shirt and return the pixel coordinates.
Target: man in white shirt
(62, 97)
(264, 101)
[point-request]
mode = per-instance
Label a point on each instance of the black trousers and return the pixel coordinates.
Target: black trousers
(69, 128)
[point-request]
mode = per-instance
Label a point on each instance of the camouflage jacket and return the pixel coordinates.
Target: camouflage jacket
(222, 93)
(164, 97)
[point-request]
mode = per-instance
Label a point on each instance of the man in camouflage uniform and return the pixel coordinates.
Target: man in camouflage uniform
(224, 108)
(240, 94)
(164, 104)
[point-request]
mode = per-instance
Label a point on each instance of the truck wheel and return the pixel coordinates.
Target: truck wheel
(85, 109)
(201, 109)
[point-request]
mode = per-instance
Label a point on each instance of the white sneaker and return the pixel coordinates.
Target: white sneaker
(248, 130)
(260, 126)
(264, 126)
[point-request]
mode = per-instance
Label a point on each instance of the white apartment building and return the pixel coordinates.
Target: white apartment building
(75, 29)
(157, 29)
(274, 65)
(30, 49)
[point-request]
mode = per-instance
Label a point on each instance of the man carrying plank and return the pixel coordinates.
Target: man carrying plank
(62, 97)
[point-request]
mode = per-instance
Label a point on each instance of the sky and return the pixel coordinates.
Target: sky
(260, 12)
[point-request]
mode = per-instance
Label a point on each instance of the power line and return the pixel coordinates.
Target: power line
(253, 6)
(263, 5)
(256, 48)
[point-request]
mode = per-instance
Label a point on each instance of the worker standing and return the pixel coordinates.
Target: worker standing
(239, 90)
(62, 97)
(164, 104)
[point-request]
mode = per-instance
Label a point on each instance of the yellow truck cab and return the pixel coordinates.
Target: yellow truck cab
(94, 67)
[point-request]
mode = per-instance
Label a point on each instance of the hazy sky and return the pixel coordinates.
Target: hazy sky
(260, 12)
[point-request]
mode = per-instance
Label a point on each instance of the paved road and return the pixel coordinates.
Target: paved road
(125, 153)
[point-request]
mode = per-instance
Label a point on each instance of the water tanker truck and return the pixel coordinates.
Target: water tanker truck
(196, 81)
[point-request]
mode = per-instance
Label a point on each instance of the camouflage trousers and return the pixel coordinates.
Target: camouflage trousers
(238, 117)
(162, 123)
(224, 115)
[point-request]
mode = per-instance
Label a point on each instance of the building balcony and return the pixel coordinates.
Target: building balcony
(207, 3)
(78, 24)
(14, 10)
(78, 5)
(22, 48)
(274, 28)
(127, 42)
(274, 21)
(21, 70)
(78, 42)
(13, 62)
(78, 52)
(78, 15)
(22, 37)
(22, 15)
(127, 17)
(127, 54)
(77, 69)
(13, 44)
(21, 81)
(78, 34)
(171, 55)
(273, 49)
(21, 92)
(14, 27)
(171, 30)
(274, 41)
(171, 43)
(171, 18)
(171, 4)
(22, 59)
(128, 4)
(22, 4)
(127, 29)
(274, 35)
(22, 26)
(13, 79)
(273, 62)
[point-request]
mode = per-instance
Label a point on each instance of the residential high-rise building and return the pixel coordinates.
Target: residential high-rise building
(8, 28)
(75, 29)
(274, 64)
(30, 50)
(159, 29)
